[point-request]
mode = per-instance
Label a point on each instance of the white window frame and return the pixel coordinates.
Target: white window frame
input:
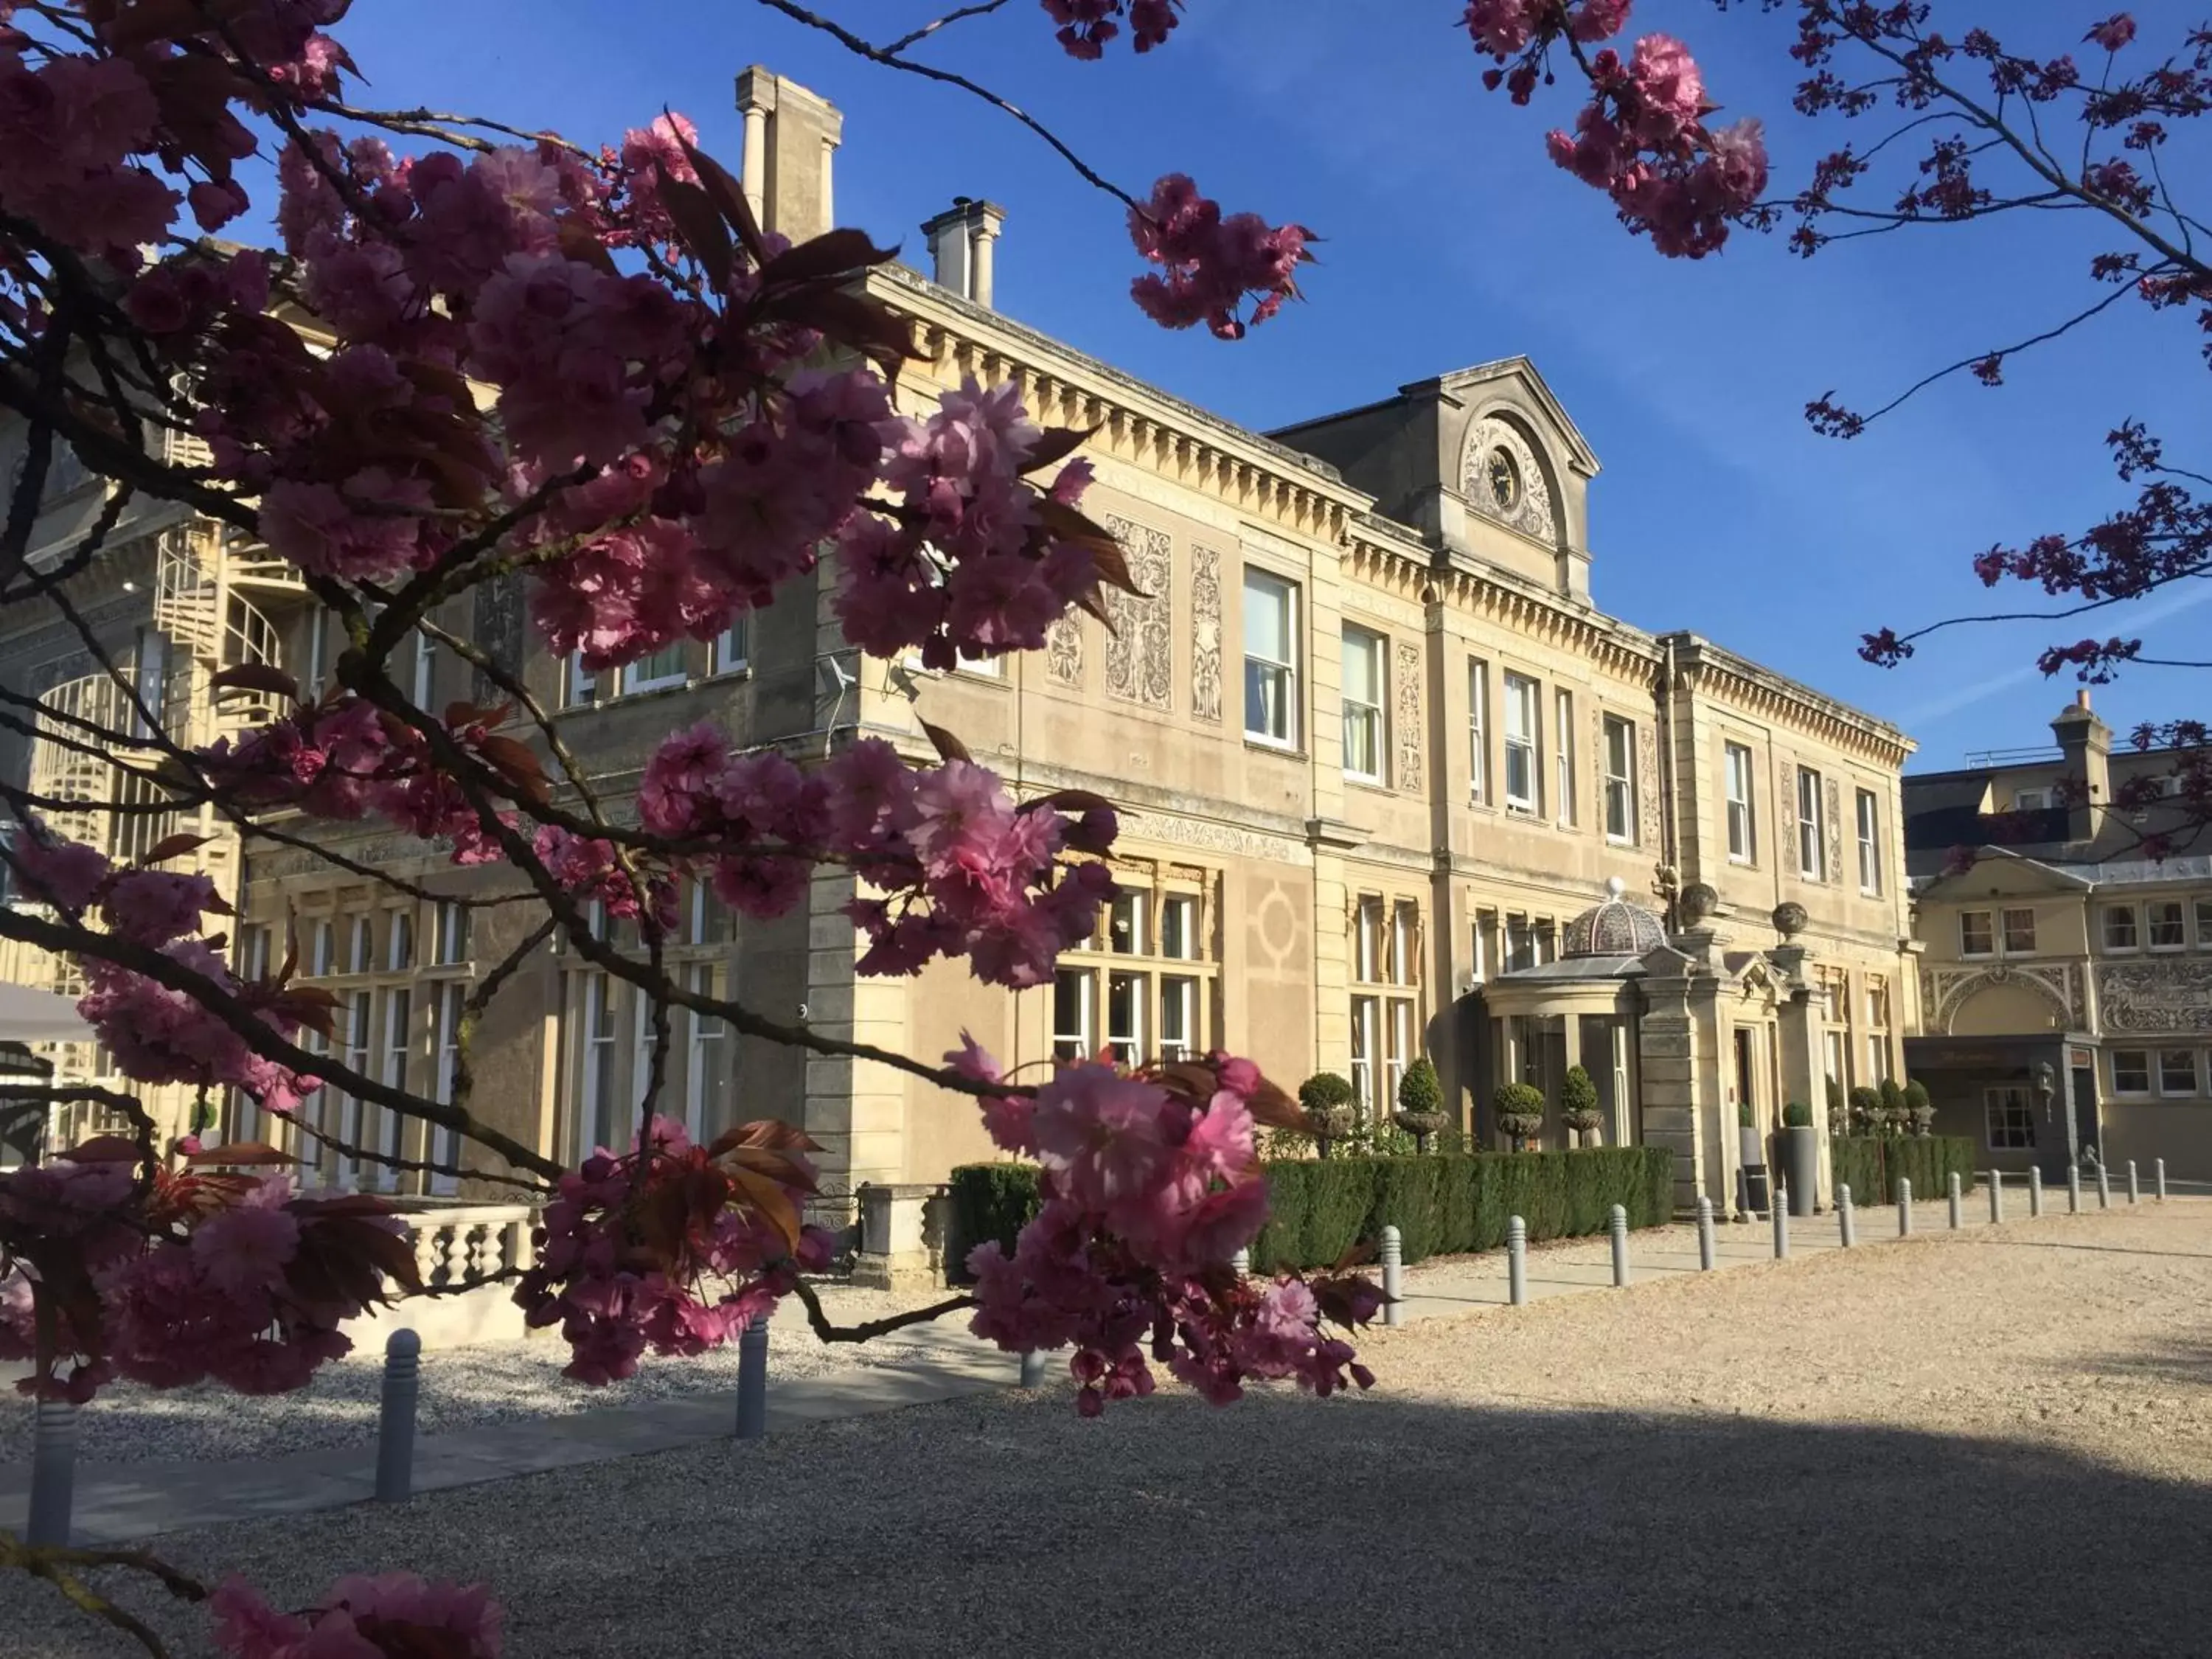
(2005, 915)
(633, 677)
(1812, 847)
(361, 1012)
(424, 679)
(450, 929)
(361, 934)
(1178, 917)
(1524, 709)
(1740, 788)
(444, 1145)
(730, 651)
(1283, 676)
(2147, 1069)
(2180, 924)
(2108, 915)
(1178, 1007)
(322, 947)
(318, 624)
(1619, 779)
(398, 1014)
(1563, 753)
(149, 678)
(708, 1043)
(2031, 800)
(398, 941)
(579, 685)
(2195, 1069)
(1366, 1036)
(1131, 906)
(1362, 717)
(1077, 1041)
(1989, 931)
(1367, 942)
(1478, 731)
(2203, 909)
(1124, 1026)
(597, 1050)
(1868, 811)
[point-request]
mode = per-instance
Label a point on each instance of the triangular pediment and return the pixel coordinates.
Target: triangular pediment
(1473, 385)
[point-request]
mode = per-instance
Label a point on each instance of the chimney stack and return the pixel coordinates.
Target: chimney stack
(960, 247)
(791, 133)
(2086, 743)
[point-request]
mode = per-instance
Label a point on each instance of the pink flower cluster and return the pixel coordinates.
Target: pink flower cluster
(172, 1277)
(156, 1033)
(1211, 262)
(963, 870)
(1151, 1183)
(394, 1615)
(671, 1246)
(1085, 25)
(974, 559)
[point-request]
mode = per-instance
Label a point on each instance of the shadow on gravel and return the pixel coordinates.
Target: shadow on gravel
(1369, 1526)
(2185, 1362)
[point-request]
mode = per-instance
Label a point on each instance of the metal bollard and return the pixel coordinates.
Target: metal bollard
(752, 1379)
(1954, 1195)
(1394, 1256)
(1619, 1228)
(1997, 1197)
(2034, 1191)
(2104, 1188)
(1903, 1207)
(2135, 1192)
(1517, 1260)
(2158, 1174)
(1779, 1209)
(2073, 1190)
(1847, 1227)
(53, 1474)
(1241, 1262)
(395, 1422)
(1705, 1234)
(1033, 1368)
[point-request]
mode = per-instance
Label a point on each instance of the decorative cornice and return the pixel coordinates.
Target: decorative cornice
(1721, 674)
(1134, 422)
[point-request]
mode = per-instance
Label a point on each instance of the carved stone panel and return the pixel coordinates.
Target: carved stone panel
(1140, 646)
(1835, 830)
(497, 630)
(1496, 453)
(1944, 991)
(1785, 817)
(1063, 649)
(1408, 694)
(1647, 783)
(2155, 996)
(1205, 634)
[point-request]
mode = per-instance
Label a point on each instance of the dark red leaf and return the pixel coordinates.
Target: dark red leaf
(240, 1152)
(948, 746)
(729, 197)
(699, 225)
(1058, 443)
(833, 253)
(170, 846)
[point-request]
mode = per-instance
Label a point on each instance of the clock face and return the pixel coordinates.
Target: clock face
(1504, 481)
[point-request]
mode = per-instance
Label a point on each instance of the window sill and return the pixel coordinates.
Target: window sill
(1282, 747)
(1611, 840)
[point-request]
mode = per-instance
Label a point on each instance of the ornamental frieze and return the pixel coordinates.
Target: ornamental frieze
(1139, 641)
(1205, 634)
(2155, 996)
(1944, 991)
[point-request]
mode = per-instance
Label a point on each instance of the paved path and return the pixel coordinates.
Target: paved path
(120, 1502)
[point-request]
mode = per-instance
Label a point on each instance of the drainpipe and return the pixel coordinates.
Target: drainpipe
(1669, 851)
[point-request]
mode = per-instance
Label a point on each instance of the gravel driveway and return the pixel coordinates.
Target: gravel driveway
(1997, 1444)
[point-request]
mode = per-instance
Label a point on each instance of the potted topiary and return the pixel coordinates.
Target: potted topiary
(1919, 1109)
(1420, 1111)
(1895, 1114)
(1800, 1155)
(1519, 1108)
(1752, 1198)
(1578, 1101)
(1866, 1111)
(1327, 1099)
(1838, 1113)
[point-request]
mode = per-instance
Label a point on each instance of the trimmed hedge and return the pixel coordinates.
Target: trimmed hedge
(989, 1201)
(1870, 1165)
(1320, 1208)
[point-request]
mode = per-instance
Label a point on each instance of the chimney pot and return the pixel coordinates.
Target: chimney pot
(2081, 698)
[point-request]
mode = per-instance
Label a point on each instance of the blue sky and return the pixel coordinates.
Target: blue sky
(1451, 240)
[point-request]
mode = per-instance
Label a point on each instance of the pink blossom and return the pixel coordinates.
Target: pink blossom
(68, 873)
(1211, 262)
(2114, 33)
(1600, 20)
(386, 1617)
(154, 906)
(245, 1249)
(366, 529)
(1670, 92)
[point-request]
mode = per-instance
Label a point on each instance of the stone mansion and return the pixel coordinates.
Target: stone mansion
(1379, 754)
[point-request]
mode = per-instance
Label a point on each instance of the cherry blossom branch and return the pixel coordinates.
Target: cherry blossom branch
(889, 58)
(983, 9)
(870, 1329)
(53, 1563)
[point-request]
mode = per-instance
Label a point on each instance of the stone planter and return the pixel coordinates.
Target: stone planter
(1799, 1151)
(1330, 1124)
(1420, 1125)
(1523, 1127)
(1752, 1189)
